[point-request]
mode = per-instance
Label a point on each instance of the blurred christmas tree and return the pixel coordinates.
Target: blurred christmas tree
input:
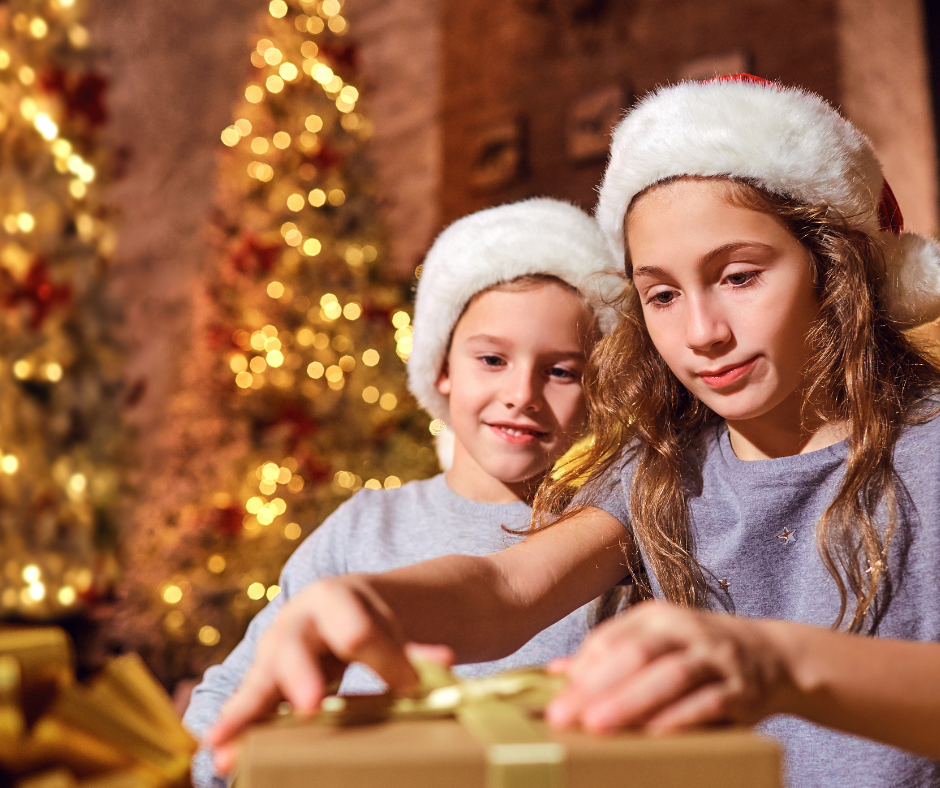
(293, 389)
(60, 364)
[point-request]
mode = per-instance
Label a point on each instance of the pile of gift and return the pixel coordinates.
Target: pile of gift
(120, 729)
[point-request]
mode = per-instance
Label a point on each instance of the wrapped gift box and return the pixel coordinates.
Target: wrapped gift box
(492, 743)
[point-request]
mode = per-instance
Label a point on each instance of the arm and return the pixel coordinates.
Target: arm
(666, 668)
(483, 608)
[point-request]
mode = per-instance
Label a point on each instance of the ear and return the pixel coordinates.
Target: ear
(443, 380)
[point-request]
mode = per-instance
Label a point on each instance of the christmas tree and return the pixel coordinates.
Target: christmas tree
(293, 389)
(61, 445)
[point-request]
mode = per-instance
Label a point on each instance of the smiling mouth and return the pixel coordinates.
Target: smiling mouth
(725, 376)
(515, 434)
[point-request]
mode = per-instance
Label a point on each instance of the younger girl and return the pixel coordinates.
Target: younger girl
(768, 445)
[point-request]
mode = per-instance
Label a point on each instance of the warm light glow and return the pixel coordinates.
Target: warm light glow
(400, 319)
(275, 289)
(230, 136)
(272, 56)
(392, 482)
(336, 197)
(315, 370)
(256, 591)
(292, 531)
(370, 358)
(332, 311)
(26, 222)
(31, 573)
(259, 145)
(370, 394)
(282, 140)
(373, 484)
(352, 311)
(46, 126)
(209, 636)
(288, 72)
(353, 255)
(388, 401)
(337, 24)
(253, 505)
(275, 358)
(323, 74)
(216, 564)
(9, 464)
(22, 369)
(242, 126)
(254, 93)
(296, 202)
(38, 27)
(313, 123)
(272, 592)
(274, 83)
(238, 363)
(277, 9)
(66, 596)
(54, 372)
(317, 197)
(244, 380)
(172, 594)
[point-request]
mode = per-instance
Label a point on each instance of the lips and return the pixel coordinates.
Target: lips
(516, 434)
(725, 376)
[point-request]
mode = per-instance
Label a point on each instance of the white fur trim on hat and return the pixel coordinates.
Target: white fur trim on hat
(536, 236)
(788, 141)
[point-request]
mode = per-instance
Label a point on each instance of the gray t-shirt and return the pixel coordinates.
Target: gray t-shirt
(753, 529)
(375, 531)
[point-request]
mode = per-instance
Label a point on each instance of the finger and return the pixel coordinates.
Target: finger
(639, 698)
(298, 674)
(224, 759)
(595, 672)
(357, 632)
(707, 705)
(443, 654)
(257, 698)
(560, 665)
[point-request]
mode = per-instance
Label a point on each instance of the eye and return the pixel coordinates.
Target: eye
(563, 374)
(491, 360)
(741, 278)
(662, 298)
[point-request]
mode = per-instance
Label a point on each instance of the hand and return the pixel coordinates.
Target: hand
(662, 668)
(315, 635)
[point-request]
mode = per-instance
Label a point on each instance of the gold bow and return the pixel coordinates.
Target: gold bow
(497, 710)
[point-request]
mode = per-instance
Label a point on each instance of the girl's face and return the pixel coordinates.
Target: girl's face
(513, 382)
(727, 296)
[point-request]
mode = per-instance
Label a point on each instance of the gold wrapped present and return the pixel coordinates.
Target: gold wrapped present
(487, 733)
(118, 730)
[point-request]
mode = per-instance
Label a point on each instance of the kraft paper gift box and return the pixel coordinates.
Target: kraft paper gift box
(486, 733)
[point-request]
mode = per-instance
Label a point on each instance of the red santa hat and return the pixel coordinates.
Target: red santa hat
(788, 141)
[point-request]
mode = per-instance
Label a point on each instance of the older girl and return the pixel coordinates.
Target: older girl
(768, 445)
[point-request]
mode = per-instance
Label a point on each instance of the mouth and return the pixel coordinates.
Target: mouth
(725, 376)
(516, 434)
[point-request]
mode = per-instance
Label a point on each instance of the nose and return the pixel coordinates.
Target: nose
(707, 326)
(522, 389)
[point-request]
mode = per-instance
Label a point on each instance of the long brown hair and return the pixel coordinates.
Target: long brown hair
(863, 370)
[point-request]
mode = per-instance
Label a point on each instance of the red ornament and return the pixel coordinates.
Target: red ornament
(254, 255)
(38, 293)
(229, 520)
(83, 95)
(340, 56)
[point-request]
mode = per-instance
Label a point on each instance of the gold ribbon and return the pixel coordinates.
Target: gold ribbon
(497, 710)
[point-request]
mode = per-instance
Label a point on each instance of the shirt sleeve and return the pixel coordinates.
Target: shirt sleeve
(322, 554)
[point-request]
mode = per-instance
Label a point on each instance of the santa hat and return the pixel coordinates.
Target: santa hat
(537, 236)
(785, 140)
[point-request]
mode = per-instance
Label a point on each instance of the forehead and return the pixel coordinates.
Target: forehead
(544, 313)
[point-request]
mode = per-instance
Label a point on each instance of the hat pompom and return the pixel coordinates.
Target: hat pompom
(913, 282)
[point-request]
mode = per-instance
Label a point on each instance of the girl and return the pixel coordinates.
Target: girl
(768, 445)
(510, 302)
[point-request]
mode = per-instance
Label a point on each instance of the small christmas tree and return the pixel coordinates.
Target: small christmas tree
(61, 446)
(293, 393)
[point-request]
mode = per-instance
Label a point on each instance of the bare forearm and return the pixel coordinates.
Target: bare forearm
(883, 689)
(487, 607)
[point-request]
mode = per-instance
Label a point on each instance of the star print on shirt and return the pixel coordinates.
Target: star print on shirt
(725, 584)
(786, 535)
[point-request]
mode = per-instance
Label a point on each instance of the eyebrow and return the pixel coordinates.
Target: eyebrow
(563, 354)
(655, 270)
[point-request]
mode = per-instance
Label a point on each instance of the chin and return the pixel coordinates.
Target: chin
(740, 406)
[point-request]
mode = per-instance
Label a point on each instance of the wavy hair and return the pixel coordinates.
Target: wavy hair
(863, 371)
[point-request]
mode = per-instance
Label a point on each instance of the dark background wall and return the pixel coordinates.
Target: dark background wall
(532, 63)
